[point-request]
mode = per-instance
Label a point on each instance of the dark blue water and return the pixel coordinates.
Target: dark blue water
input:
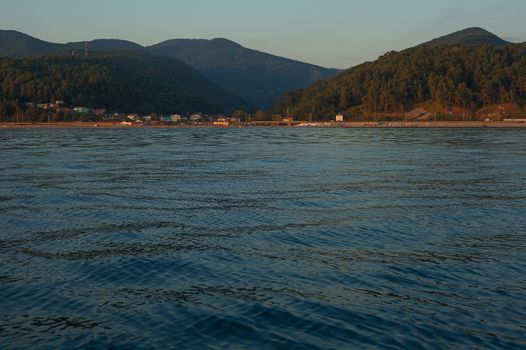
(263, 238)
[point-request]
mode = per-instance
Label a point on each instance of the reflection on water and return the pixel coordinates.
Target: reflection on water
(263, 238)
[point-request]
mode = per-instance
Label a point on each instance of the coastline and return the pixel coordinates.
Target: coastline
(391, 125)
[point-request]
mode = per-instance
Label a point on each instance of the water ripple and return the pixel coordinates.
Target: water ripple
(262, 238)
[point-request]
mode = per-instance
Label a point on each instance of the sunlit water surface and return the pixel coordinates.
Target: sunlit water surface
(262, 238)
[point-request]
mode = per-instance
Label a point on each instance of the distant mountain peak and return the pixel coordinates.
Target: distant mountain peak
(224, 41)
(107, 45)
(474, 31)
(257, 77)
(469, 36)
(179, 43)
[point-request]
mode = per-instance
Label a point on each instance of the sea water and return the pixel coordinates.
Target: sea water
(262, 238)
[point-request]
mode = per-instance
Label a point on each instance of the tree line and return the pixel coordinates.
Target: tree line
(121, 82)
(440, 77)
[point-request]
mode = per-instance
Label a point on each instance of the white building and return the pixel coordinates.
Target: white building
(196, 117)
(82, 110)
(339, 118)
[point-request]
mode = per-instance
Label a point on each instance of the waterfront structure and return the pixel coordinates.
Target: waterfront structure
(221, 122)
(339, 118)
(196, 117)
(81, 110)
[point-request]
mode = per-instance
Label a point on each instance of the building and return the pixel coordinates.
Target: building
(81, 110)
(339, 118)
(221, 122)
(168, 119)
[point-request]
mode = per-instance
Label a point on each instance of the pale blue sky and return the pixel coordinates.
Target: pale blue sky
(335, 33)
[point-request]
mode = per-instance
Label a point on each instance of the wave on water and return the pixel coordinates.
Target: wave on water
(262, 238)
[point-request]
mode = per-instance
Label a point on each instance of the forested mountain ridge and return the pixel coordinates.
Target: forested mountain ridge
(469, 36)
(129, 82)
(15, 45)
(469, 69)
(255, 76)
(104, 45)
(439, 78)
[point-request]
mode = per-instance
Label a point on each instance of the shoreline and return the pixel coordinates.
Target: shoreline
(384, 125)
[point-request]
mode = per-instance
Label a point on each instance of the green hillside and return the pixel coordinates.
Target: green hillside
(123, 81)
(471, 77)
(15, 44)
(469, 36)
(257, 77)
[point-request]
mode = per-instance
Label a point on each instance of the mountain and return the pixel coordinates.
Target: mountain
(255, 76)
(15, 44)
(435, 78)
(19, 45)
(469, 36)
(104, 45)
(119, 81)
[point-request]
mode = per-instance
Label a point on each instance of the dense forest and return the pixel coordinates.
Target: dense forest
(128, 82)
(436, 77)
(257, 77)
(469, 36)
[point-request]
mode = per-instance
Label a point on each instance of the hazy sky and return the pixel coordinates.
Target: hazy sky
(335, 33)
